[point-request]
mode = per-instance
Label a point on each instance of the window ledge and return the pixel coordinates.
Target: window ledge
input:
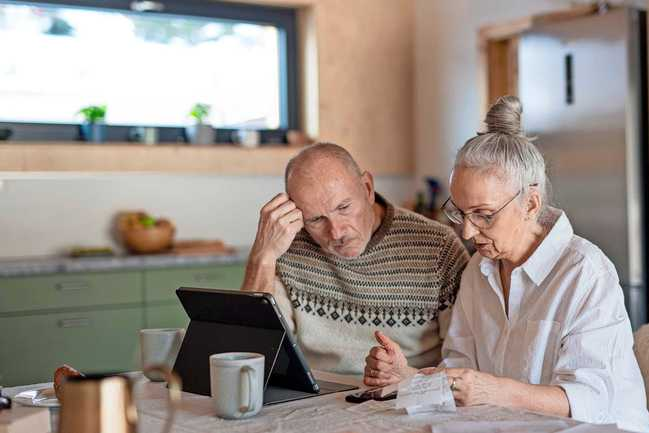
(129, 157)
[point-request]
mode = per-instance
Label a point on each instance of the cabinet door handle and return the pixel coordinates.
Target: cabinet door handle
(72, 286)
(78, 322)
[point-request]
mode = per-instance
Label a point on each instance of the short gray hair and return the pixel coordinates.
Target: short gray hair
(505, 150)
(322, 150)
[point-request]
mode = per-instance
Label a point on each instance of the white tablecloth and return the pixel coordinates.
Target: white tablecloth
(332, 414)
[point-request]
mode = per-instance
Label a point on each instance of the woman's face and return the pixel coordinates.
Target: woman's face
(482, 192)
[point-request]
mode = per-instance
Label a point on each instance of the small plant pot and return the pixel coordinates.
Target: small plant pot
(92, 132)
(200, 134)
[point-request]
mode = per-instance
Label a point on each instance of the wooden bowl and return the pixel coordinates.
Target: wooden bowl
(146, 240)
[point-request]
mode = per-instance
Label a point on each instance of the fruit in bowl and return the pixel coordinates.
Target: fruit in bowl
(144, 234)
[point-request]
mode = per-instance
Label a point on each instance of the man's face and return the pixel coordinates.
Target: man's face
(337, 206)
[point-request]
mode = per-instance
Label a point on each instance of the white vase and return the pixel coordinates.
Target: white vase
(200, 134)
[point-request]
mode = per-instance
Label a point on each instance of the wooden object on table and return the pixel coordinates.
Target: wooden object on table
(60, 376)
(21, 419)
(202, 247)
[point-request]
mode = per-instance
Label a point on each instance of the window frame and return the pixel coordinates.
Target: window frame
(284, 18)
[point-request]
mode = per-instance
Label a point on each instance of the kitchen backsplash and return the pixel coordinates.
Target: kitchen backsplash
(44, 214)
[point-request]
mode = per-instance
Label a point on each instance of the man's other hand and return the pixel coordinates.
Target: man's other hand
(386, 364)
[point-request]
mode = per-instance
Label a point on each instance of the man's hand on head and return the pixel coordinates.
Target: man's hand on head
(279, 222)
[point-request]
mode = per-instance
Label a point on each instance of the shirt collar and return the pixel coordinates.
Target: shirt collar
(487, 266)
(547, 254)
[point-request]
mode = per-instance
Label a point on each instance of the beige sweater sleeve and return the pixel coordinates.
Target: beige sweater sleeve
(284, 304)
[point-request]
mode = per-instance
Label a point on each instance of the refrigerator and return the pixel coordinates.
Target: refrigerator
(583, 86)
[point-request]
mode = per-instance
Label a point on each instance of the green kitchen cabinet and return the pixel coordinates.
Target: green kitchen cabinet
(90, 320)
(163, 309)
(161, 284)
(166, 316)
(71, 290)
(33, 346)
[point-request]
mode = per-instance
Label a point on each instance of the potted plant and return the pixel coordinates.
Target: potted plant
(93, 127)
(200, 132)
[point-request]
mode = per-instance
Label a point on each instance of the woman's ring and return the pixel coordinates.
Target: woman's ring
(453, 386)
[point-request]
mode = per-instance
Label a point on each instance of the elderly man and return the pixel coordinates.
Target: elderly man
(342, 262)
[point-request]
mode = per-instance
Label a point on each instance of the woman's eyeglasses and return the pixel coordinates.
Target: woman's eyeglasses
(480, 220)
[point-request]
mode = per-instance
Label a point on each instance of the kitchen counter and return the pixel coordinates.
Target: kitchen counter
(30, 266)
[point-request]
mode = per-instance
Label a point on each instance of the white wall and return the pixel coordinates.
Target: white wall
(42, 214)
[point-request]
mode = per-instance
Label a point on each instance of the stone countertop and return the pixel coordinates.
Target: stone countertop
(30, 266)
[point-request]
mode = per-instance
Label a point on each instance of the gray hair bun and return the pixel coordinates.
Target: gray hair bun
(504, 116)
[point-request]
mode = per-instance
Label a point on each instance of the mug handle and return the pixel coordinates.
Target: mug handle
(175, 388)
(250, 372)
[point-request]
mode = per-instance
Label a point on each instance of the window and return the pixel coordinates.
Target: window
(149, 68)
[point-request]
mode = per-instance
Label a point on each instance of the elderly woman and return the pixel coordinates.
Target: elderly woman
(539, 322)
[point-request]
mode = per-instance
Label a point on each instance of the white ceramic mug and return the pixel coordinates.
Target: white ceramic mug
(237, 384)
(159, 346)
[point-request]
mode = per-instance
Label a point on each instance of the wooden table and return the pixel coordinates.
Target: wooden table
(328, 414)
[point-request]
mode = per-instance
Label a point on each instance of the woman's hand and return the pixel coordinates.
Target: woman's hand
(471, 387)
(386, 364)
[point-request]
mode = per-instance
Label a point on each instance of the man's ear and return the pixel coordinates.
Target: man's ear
(368, 184)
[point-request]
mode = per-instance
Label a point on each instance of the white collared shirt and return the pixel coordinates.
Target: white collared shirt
(567, 326)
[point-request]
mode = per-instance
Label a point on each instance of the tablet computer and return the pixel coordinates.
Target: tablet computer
(235, 321)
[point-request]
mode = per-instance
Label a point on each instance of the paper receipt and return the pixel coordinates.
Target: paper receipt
(425, 393)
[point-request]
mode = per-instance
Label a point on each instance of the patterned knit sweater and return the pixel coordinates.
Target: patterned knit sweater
(402, 284)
